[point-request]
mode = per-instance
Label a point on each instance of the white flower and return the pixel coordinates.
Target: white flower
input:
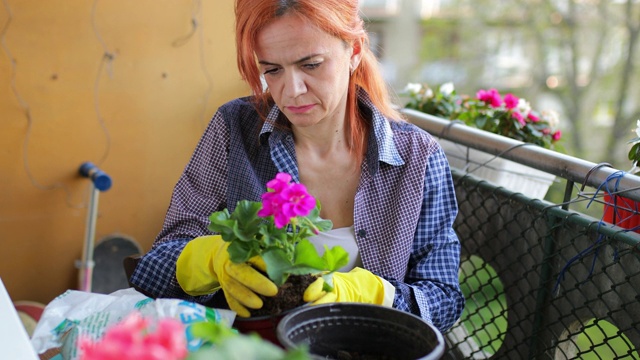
(446, 89)
(413, 88)
(429, 93)
(524, 107)
(552, 118)
(638, 128)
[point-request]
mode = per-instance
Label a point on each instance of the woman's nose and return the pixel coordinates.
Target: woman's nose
(294, 84)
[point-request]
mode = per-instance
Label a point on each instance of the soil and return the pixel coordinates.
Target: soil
(289, 296)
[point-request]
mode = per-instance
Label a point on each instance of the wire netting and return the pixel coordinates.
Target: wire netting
(542, 282)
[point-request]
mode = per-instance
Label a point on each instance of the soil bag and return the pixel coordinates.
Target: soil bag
(75, 313)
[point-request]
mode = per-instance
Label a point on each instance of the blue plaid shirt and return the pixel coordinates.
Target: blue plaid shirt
(405, 204)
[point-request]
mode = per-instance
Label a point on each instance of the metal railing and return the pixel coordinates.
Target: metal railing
(541, 281)
(574, 170)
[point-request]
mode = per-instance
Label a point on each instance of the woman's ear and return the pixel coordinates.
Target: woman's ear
(356, 54)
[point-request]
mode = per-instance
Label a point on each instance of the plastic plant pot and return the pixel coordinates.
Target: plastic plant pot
(354, 330)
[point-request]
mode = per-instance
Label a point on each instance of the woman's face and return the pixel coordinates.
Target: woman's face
(306, 69)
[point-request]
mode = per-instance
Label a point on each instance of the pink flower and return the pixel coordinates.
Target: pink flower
(280, 182)
(271, 202)
(131, 338)
(519, 117)
(169, 338)
(298, 201)
(556, 135)
(285, 200)
(511, 101)
(533, 117)
(491, 97)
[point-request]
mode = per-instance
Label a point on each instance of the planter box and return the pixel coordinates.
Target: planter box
(506, 173)
(622, 212)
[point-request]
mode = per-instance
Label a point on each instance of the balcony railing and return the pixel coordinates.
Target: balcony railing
(572, 169)
(541, 280)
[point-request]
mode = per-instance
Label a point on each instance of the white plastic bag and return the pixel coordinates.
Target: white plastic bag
(77, 313)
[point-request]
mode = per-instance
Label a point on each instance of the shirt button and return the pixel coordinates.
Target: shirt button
(362, 233)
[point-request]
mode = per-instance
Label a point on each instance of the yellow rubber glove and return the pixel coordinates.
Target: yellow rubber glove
(204, 267)
(357, 285)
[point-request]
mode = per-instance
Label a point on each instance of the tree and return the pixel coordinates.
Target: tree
(581, 53)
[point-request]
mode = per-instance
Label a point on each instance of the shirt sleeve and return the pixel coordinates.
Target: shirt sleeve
(199, 192)
(431, 288)
(202, 187)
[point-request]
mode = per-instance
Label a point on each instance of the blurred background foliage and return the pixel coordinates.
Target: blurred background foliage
(575, 57)
(578, 58)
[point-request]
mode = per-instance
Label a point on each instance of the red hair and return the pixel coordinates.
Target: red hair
(339, 18)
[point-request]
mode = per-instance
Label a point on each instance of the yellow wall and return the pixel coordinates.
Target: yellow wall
(137, 116)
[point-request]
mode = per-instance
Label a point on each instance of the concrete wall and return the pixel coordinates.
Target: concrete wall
(128, 85)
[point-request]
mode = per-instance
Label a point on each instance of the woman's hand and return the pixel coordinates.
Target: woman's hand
(204, 267)
(357, 285)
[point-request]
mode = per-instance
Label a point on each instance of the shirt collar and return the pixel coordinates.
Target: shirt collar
(269, 124)
(382, 134)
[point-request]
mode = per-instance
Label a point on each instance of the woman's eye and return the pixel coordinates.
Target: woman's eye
(270, 71)
(312, 65)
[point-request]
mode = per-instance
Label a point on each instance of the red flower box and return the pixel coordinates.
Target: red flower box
(622, 212)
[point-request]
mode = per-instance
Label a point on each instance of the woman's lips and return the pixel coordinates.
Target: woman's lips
(300, 109)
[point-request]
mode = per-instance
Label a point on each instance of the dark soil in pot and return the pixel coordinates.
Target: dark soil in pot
(289, 296)
(264, 321)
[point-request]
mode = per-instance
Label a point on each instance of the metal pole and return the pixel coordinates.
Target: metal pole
(87, 264)
(100, 181)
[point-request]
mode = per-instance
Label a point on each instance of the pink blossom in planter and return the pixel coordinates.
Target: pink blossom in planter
(511, 101)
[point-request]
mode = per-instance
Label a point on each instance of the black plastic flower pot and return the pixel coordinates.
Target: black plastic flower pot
(360, 331)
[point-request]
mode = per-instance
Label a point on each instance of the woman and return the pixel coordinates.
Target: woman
(326, 119)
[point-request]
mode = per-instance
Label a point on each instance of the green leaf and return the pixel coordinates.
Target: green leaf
(248, 221)
(248, 347)
(307, 260)
(328, 282)
(634, 153)
(221, 223)
(481, 122)
(336, 257)
(323, 224)
(247, 211)
(211, 332)
(306, 256)
(272, 236)
(303, 270)
(317, 221)
(240, 251)
(277, 265)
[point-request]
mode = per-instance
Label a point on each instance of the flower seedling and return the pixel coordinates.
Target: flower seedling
(278, 230)
(140, 338)
(136, 337)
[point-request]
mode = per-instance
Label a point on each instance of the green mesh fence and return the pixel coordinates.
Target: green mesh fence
(542, 282)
